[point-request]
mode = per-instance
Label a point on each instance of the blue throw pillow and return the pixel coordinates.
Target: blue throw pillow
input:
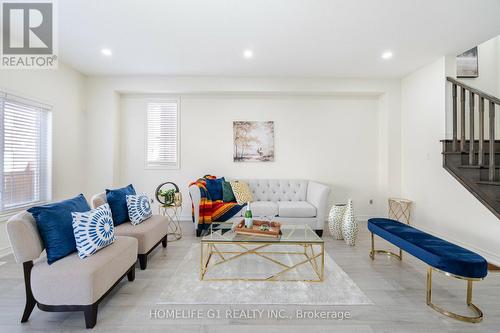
(55, 224)
(117, 200)
(214, 188)
(93, 230)
(139, 209)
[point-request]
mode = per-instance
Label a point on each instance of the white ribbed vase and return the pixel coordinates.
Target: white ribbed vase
(350, 227)
(335, 219)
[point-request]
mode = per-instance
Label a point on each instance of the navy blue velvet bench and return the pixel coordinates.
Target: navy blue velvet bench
(440, 255)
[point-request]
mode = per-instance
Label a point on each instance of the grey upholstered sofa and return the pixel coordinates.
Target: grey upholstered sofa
(149, 233)
(289, 201)
(71, 283)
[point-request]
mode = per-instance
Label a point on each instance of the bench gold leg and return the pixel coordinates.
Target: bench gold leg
(373, 251)
(475, 319)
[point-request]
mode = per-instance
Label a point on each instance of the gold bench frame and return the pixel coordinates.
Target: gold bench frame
(470, 319)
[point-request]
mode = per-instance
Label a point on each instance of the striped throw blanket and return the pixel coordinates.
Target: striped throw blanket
(212, 211)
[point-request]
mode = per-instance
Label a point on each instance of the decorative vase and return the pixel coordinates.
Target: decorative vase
(335, 220)
(350, 227)
(177, 199)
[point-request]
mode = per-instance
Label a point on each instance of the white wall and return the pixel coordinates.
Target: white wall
(442, 205)
(341, 101)
(498, 66)
(63, 89)
(487, 81)
(327, 139)
(489, 68)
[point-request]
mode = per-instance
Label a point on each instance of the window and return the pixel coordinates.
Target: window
(25, 163)
(162, 134)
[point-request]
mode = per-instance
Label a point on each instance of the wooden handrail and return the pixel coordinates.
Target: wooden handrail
(480, 93)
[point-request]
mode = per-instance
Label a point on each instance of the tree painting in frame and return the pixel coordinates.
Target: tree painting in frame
(467, 64)
(253, 141)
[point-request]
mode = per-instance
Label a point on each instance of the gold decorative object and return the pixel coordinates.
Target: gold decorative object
(178, 199)
(168, 195)
(170, 205)
(172, 213)
(399, 209)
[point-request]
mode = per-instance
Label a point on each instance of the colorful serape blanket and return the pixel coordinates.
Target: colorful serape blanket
(212, 211)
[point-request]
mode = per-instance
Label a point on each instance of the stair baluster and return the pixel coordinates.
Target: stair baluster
(491, 173)
(462, 119)
(475, 165)
(480, 156)
(455, 120)
(471, 128)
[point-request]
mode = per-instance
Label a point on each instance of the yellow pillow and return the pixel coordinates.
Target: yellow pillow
(241, 192)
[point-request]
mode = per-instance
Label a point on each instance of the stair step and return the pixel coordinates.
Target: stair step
(477, 167)
(465, 153)
(485, 140)
(485, 182)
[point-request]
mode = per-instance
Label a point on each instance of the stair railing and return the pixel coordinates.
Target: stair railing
(459, 146)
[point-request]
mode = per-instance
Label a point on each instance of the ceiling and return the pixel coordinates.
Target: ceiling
(299, 38)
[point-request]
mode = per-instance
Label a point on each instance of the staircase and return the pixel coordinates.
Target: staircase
(472, 155)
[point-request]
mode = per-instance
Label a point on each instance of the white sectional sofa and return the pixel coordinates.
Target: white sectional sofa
(289, 201)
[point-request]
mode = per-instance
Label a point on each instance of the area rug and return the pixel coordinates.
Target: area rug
(185, 286)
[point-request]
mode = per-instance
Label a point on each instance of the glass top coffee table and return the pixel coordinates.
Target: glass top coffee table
(297, 255)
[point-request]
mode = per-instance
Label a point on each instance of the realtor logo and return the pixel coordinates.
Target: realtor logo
(28, 35)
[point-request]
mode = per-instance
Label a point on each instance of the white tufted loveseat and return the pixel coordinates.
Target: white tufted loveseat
(289, 201)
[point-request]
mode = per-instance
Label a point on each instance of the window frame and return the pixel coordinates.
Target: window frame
(162, 166)
(44, 107)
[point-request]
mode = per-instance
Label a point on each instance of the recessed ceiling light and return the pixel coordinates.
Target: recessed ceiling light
(107, 52)
(248, 54)
(387, 55)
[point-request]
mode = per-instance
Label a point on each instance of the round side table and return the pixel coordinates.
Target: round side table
(172, 213)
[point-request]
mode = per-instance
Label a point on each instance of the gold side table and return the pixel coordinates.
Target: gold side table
(172, 213)
(400, 209)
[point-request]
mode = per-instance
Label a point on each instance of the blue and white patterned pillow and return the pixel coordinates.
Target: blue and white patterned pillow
(139, 209)
(93, 230)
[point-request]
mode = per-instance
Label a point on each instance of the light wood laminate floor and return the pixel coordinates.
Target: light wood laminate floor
(397, 290)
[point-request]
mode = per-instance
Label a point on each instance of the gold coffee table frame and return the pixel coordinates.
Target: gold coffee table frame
(212, 255)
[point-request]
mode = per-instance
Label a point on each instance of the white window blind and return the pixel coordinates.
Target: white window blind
(162, 137)
(25, 162)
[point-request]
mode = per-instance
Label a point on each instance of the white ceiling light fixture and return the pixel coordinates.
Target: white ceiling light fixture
(248, 54)
(107, 52)
(387, 55)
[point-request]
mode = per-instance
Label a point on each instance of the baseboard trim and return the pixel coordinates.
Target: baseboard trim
(185, 218)
(362, 218)
(493, 268)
